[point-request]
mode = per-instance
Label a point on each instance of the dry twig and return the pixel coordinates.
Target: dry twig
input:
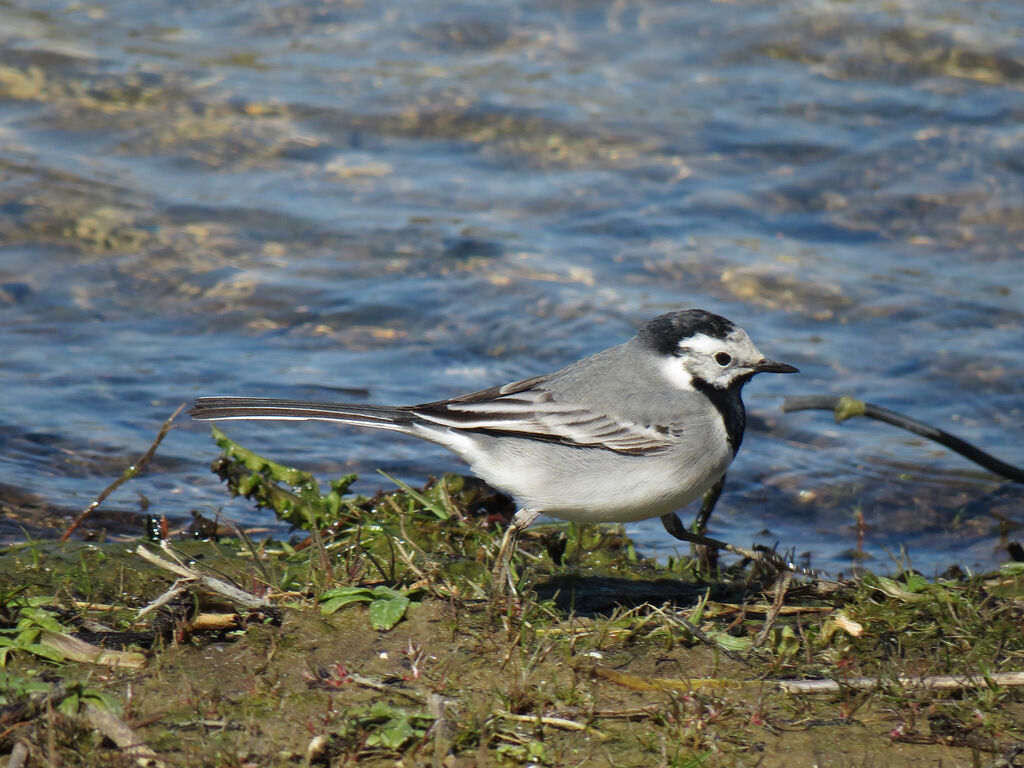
(931, 683)
(847, 407)
(230, 591)
(128, 474)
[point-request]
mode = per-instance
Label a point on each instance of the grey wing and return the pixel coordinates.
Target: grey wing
(526, 409)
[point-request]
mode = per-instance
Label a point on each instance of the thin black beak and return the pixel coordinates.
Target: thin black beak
(770, 366)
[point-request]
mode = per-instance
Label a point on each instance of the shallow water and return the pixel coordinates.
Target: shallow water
(403, 202)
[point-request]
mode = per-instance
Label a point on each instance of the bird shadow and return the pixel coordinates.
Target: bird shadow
(595, 596)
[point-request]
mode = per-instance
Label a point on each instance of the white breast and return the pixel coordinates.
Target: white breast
(597, 485)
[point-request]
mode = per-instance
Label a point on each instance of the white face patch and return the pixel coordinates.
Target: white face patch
(676, 375)
(697, 358)
(704, 345)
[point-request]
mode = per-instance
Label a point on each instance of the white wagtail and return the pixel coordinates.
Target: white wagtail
(630, 433)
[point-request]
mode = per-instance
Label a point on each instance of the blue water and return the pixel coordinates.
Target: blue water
(404, 201)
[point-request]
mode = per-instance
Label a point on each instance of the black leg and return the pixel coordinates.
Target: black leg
(707, 506)
(708, 556)
(765, 557)
(676, 529)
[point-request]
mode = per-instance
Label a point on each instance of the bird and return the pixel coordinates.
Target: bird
(634, 432)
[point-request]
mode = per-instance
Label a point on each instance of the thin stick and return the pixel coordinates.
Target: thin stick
(555, 722)
(18, 755)
(846, 407)
(128, 474)
(934, 682)
(177, 588)
(367, 682)
(76, 649)
(781, 587)
(230, 591)
(716, 609)
(119, 732)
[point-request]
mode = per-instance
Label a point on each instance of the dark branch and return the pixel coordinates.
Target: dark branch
(846, 407)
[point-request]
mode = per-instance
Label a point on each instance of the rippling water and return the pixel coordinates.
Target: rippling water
(406, 201)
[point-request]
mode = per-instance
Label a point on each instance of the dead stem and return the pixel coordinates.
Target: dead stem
(127, 475)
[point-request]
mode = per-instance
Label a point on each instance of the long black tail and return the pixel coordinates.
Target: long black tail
(375, 416)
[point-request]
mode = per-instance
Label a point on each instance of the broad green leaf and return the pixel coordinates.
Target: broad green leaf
(334, 600)
(46, 651)
(385, 593)
(896, 590)
(40, 618)
(69, 706)
(730, 643)
(917, 583)
(396, 732)
(384, 614)
(381, 710)
(102, 700)
(26, 637)
(346, 591)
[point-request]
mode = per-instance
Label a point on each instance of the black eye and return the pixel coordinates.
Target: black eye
(723, 358)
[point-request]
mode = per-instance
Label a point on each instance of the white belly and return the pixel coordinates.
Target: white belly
(596, 485)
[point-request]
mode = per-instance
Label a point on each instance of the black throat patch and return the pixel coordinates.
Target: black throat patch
(730, 405)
